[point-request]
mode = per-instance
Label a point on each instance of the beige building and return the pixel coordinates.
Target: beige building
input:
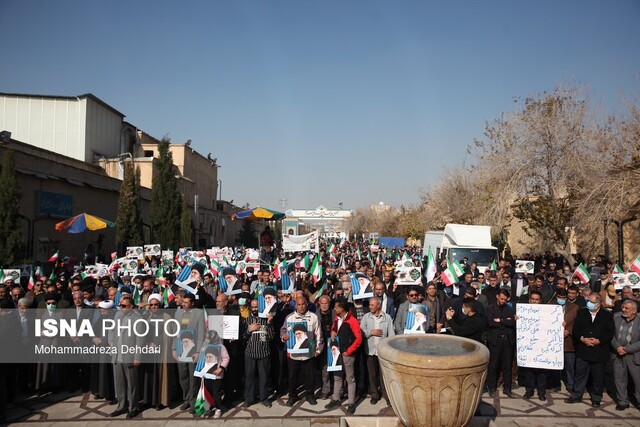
(70, 154)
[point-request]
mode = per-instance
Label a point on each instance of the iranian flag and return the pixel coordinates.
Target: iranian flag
(136, 295)
(304, 262)
(343, 263)
(54, 257)
(359, 254)
(405, 255)
(160, 273)
(582, 274)
(2, 274)
(168, 296)
(114, 255)
(316, 269)
(617, 270)
(215, 267)
(31, 283)
(276, 270)
(51, 277)
(431, 266)
(39, 272)
(204, 400)
(494, 265)
(448, 276)
(457, 268)
(320, 292)
(636, 265)
(371, 261)
(343, 242)
(332, 248)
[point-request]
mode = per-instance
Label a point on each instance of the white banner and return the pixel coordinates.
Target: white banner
(302, 243)
(540, 336)
(622, 279)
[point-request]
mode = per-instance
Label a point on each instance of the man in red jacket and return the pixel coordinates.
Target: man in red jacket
(347, 329)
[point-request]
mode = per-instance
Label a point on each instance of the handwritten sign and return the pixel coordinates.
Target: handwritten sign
(227, 326)
(540, 336)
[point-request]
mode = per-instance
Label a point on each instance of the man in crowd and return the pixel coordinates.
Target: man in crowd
(347, 329)
(535, 378)
(376, 325)
(593, 331)
(501, 342)
(301, 365)
(190, 319)
(626, 344)
(470, 324)
(258, 336)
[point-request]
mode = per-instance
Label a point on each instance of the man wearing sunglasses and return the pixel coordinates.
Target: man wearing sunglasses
(401, 314)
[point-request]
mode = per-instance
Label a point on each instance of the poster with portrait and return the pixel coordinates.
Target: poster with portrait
(209, 362)
(298, 342)
(334, 357)
(13, 274)
(135, 252)
(267, 299)
(167, 258)
(152, 250)
(417, 320)
(288, 285)
(229, 283)
(621, 280)
(360, 286)
(525, 266)
(186, 345)
(408, 276)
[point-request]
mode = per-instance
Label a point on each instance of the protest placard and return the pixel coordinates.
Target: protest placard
(540, 336)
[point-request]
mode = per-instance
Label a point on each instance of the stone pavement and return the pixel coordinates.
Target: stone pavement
(79, 410)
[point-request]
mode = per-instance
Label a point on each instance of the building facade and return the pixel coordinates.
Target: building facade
(70, 154)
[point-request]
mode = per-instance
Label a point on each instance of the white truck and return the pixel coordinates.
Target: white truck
(458, 241)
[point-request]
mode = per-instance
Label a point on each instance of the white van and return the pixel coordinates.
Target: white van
(458, 241)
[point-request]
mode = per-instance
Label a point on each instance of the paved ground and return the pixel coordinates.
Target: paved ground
(82, 410)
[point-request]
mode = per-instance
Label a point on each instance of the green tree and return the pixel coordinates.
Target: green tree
(247, 235)
(12, 247)
(186, 227)
(166, 200)
(129, 221)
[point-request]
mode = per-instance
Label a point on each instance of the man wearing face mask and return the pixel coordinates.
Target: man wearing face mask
(626, 344)
(593, 331)
(472, 325)
(570, 312)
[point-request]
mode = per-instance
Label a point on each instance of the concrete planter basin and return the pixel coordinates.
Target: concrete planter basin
(433, 380)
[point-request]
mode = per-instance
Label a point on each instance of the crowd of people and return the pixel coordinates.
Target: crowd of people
(333, 330)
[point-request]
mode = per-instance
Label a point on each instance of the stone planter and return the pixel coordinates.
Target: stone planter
(433, 380)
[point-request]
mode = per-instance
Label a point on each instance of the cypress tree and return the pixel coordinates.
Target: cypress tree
(129, 222)
(166, 200)
(12, 247)
(186, 229)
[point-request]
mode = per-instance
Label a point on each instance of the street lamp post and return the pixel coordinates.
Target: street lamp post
(620, 225)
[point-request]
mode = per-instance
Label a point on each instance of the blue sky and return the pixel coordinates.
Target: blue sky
(320, 102)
